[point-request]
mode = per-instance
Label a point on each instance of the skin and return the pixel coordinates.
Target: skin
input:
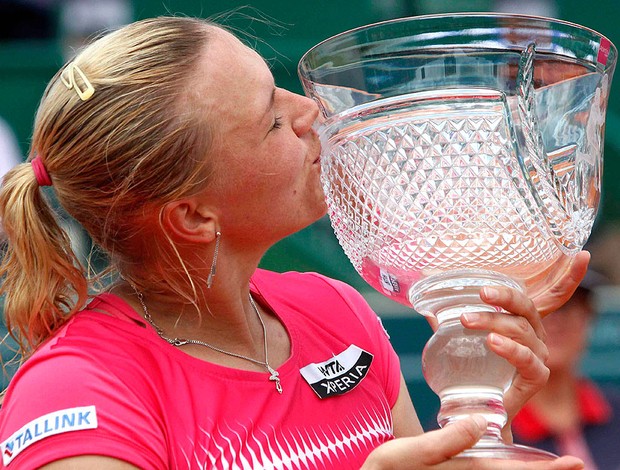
(266, 186)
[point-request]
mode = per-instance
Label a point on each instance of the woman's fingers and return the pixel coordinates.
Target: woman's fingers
(517, 336)
(566, 463)
(433, 449)
(516, 303)
(438, 446)
(548, 301)
(532, 371)
(521, 325)
(531, 366)
(439, 450)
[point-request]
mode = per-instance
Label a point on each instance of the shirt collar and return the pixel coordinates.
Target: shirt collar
(594, 409)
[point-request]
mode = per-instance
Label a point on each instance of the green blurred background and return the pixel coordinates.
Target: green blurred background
(37, 37)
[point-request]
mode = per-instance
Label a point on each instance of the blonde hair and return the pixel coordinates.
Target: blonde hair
(138, 142)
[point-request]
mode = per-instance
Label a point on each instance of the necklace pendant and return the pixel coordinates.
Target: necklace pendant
(275, 377)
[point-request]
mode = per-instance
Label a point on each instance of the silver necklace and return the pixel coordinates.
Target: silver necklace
(275, 375)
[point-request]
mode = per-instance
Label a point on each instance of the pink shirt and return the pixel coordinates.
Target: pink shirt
(108, 385)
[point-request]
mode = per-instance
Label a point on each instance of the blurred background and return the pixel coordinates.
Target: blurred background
(38, 36)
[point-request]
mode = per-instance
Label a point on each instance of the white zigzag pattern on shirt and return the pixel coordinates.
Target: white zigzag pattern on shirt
(297, 450)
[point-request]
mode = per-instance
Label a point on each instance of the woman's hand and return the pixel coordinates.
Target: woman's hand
(435, 449)
(519, 337)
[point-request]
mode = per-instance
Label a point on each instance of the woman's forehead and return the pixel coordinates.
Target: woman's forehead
(227, 55)
(232, 80)
(233, 42)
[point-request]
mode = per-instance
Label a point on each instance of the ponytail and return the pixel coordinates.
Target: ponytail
(110, 123)
(42, 280)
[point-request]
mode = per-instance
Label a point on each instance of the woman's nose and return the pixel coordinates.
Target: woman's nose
(306, 113)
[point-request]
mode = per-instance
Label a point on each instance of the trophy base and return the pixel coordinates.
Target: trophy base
(493, 449)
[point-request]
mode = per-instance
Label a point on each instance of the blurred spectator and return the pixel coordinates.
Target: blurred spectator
(27, 19)
(605, 250)
(572, 415)
(547, 8)
(73, 20)
(10, 154)
(81, 20)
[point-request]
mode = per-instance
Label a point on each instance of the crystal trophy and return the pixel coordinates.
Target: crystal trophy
(460, 151)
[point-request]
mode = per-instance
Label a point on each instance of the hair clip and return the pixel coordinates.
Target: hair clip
(69, 81)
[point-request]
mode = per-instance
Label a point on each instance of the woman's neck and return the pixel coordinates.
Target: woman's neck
(558, 402)
(223, 316)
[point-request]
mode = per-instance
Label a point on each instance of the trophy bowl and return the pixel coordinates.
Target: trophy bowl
(461, 151)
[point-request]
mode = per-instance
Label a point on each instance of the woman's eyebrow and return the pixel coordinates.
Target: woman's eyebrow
(271, 101)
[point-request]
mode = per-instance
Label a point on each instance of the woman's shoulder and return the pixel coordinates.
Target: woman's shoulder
(78, 383)
(103, 338)
(308, 288)
(296, 281)
(106, 317)
(93, 360)
(318, 298)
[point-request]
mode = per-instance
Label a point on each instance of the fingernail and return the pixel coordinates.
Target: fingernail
(471, 317)
(496, 339)
(491, 293)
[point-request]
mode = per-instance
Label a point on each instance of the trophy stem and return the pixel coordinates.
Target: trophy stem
(467, 376)
(457, 403)
(459, 366)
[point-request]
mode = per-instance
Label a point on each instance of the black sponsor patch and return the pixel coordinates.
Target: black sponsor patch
(339, 374)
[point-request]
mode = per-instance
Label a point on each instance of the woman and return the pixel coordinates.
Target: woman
(169, 142)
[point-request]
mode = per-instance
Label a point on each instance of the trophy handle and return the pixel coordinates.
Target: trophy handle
(548, 194)
(564, 184)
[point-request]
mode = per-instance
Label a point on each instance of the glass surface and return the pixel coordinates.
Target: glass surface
(460, 151)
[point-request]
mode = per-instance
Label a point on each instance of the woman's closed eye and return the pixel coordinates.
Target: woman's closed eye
(277, 123)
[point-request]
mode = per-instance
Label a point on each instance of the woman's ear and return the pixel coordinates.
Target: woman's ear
(188, 220)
